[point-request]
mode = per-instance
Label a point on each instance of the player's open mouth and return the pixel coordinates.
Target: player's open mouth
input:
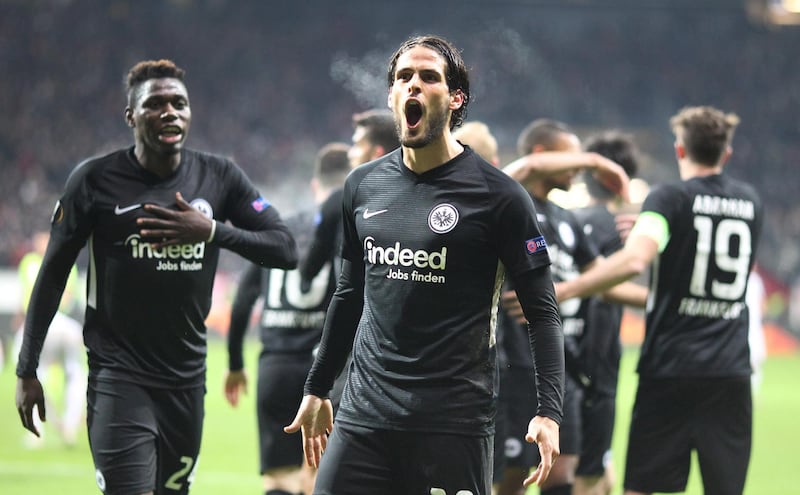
(170, 134)
(413, 113)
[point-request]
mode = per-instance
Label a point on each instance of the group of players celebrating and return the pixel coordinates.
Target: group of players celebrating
(492, 369)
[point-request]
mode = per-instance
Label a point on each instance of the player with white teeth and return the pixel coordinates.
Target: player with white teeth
(159, 114)
(153, 216)
(414, 304)
(422, 102)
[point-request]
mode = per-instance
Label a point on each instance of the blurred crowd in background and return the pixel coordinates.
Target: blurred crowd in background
(271, 82)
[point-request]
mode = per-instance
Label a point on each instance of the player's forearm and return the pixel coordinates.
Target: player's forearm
(628, 293)
(324, 244)
(273, 247)
(45, 299)
(536, 294)
(339, 331)
(546, 163)
(236, 344)
(618, 268)
(243, 302)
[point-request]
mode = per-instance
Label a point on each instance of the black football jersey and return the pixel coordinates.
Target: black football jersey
(146, 306)
(291, 315)
(697, 318)
(434, 248)
(600, 347)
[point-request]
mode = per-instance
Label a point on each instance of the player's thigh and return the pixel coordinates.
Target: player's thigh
(180, 416)
(444, 464)
(357, 461)
(659, 441)
(280, 391)
(281, 378)
(723, 434)
(597, 429)
(122, 437)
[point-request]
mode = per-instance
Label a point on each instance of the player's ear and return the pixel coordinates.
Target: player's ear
(456, 99)
(726, 155)
(680, 150)
(129, 117)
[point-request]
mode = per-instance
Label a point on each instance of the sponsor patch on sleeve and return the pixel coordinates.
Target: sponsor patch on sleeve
(536, 245)
(260, 204)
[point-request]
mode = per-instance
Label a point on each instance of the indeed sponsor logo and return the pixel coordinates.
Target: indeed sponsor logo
(397, 255)
(145, 250)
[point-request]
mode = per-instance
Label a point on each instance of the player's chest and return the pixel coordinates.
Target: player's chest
(117, 204)
(422, 217)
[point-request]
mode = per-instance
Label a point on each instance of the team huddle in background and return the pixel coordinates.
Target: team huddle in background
(436, 325)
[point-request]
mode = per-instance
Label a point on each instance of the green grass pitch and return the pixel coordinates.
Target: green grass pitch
(229, 461)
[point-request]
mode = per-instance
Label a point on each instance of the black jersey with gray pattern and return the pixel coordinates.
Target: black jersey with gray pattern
(433, 247)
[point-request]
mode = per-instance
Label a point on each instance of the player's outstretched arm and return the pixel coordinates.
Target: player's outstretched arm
(543, 432)
(628, 262)
(315, 419)
(547, 163)
(30, 394)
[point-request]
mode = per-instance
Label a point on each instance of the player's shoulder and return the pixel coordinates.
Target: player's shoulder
(742, 189)
(496, 181)
(722, 185)
(212, 161)
(671, 187)
(386, 164)
(98, 165)
(671, 192)
(392, 159)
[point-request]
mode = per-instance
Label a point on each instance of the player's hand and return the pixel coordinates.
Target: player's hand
(235, 385)
(315, 419)
(512, 307)
(30, 394)
(544, 433)
(170, 227)
(611, 175)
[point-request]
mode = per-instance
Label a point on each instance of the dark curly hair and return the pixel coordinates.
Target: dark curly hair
(456, 73)
(615, 146)
(150, 69)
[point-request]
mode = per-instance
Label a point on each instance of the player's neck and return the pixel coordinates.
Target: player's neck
(438, 152)
(691, 170)
(540, 190)
(160, 165)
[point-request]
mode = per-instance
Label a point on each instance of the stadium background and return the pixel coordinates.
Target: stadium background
(272, 81)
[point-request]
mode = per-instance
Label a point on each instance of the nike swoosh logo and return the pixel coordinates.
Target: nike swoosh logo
(369, 214)
(121, 211)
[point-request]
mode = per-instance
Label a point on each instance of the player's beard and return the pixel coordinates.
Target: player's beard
(434, 128)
